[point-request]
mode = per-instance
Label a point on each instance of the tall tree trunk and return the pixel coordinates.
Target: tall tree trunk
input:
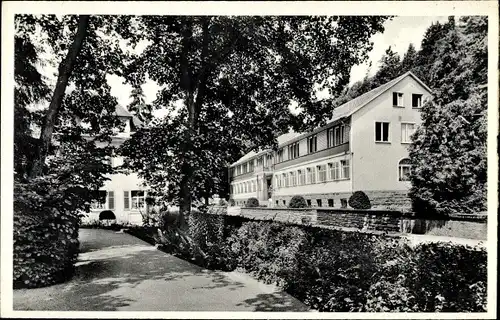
(65, 69)
(193, 106)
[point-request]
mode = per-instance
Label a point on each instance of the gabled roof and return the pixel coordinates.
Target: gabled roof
(121, 111)
(355, 104)
(342, 111)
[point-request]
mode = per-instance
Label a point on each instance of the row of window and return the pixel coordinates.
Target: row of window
(135, 199)
(398, 100)
(335, 136)
(382, 132)
(245, 187)
(333, 171)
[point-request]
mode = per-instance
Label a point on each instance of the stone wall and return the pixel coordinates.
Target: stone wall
(389, 200)
(379, 220)
(287, 215)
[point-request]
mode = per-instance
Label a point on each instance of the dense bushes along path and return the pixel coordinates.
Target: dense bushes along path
(117, 271)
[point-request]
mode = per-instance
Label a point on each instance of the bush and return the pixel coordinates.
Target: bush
(45, 234)
(252, 203)
(232, 203)
(359, 200)
(297, 202)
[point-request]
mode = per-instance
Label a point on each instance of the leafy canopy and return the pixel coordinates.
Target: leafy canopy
(236, 77)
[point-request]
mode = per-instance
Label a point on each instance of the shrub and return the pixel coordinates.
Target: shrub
(222, 202)
(252, 203)
(45, 234)
(359, 200)
(232, 203)
(298, 202)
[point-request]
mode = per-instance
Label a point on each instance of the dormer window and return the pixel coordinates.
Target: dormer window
(416, 100)
(397, 99)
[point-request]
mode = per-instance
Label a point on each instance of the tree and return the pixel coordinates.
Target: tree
(390, 68)
(139, 107)
(449, 149)
(237, 77)
(58, 171)
(410, 59)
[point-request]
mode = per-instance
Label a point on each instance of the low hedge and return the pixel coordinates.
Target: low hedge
(333, 270)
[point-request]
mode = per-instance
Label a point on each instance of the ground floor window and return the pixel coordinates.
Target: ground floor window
(330, 202)
(404, 169)
(138, 198)
(100, 202)
(319, 202)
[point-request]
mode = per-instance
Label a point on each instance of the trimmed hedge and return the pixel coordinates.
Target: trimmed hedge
(333, 270)
(252, 203)
(359, 200)
(297, 202)
(45, 235)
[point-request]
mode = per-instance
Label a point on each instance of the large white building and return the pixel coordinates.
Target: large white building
(364, 146)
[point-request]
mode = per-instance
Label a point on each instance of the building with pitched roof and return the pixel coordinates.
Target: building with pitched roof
(363, 146)
(123, 194)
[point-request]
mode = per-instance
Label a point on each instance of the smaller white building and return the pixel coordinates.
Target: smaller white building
(123, 194)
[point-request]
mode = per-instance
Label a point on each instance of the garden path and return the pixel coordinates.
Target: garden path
(118, 272)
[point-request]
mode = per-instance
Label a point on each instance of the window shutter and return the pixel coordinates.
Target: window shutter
(126, 200)
(111, 200)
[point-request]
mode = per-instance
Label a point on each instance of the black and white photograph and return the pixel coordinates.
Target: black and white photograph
(250, 159)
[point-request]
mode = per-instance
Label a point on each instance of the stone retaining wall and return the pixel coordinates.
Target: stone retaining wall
(297, 216)
(380, 220)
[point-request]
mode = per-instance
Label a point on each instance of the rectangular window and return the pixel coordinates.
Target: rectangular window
(302, 177)
(293, 151)
(329, 136)
(397, 99)
(138, 199)
(407, 129)
(100, 202)
(126, 200)
(293, 181)
(382, 131)
(285, 180)
(311, 172)
(416, 100)
(345, 168)
(330, 202)
(251, 165)
(312, 144)
(308, 202)
(333, 168)
(322, 173)
(280, 156)
(111, 200)
(319, 202)
(284, 202)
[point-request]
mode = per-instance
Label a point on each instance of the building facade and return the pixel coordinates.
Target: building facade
(123, 194)
(364, 146)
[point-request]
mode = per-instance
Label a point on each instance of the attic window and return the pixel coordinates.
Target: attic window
(397, 99)
(416, 100)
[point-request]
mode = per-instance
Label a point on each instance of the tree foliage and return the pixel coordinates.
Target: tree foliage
(449, 149)
(236, 77)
